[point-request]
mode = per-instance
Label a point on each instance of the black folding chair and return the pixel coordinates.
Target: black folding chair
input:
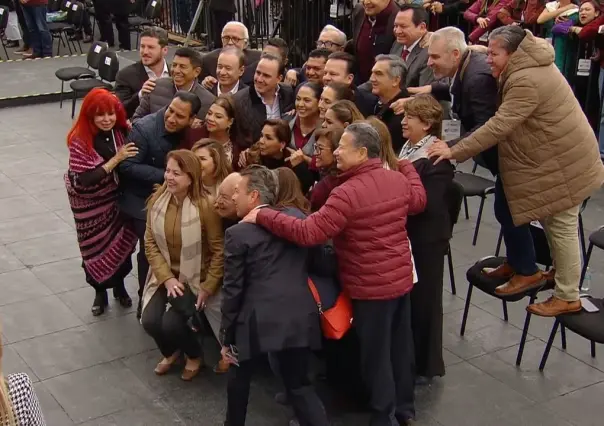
(76, 73)
(108, 67)
(476, 278)
(62, 30)
(3, 24)
(151, 14)
(454, 199)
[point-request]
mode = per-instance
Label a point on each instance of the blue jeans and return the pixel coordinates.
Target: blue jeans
(518, 240)
(39, 36)
(601, 134)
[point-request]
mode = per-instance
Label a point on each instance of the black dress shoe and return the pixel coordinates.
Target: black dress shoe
(122, 296)
(100, 303)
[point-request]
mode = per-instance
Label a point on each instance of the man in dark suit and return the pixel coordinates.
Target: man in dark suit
(229, 71)
(372, 28)
(267, 306)
(138, 79)
(221, 13)
(154, 135)
(265, 99)
(233, 34)
(275, 46)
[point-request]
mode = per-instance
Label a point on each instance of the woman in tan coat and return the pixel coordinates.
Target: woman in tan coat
(184, 245)
(548, 154)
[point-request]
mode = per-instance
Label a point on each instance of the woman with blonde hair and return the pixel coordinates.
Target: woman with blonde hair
(386, 152)
(184, 244)
(289, 191)
(19, 404)
(215, 165)
(341, 114)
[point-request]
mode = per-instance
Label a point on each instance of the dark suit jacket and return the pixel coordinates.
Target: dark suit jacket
(128, 83)
(252, 112)
(210, 61)
(214, 90)
(365, 101)
(418, 71)
(266, 303)
(433, 224)
(474, 99)
(393, 121)
(140, 173)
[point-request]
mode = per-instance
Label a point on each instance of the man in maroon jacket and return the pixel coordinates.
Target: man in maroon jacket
(366, 217)
(34, 12)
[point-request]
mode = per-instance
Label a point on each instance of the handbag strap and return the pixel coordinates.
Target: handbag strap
(315, 295)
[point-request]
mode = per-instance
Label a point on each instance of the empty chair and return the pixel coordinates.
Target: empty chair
(477, 279)
(61, 30)
(75, 73)
(108, 68)
(3, 24)
(454, 199)
(474, 186)
(151, 13)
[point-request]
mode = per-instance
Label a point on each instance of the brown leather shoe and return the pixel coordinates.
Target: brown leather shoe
(520, 284)
(189, 373)
(503, 271)
(553, 307)
(221, 367)
(550, 275)
(163, 367)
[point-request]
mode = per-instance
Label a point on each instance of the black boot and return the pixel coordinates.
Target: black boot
(100, 303)
(122, 296)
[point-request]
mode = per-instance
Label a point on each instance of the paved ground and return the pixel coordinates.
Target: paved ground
(99, 371)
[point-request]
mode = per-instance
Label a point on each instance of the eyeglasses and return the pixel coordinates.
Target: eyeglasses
(327, 44)
(318, 149)
(229, 39)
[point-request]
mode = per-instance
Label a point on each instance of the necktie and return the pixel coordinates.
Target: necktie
(405, 54)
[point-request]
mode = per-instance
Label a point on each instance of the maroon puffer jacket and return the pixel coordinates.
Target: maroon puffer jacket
(366, 216)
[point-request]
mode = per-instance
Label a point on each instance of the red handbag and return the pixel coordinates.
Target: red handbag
(337, 320)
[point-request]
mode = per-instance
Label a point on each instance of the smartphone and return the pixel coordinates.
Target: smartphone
(233, 355)
(588, 305)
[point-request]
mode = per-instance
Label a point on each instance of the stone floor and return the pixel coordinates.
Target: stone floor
(99, 370)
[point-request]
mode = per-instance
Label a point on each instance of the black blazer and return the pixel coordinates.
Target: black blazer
(365, 101)
(128, 82)
(433, 224)
(214, 90)
(393, 121)
(474, 99)
(210, 61)
(251, 112)
(266, 303)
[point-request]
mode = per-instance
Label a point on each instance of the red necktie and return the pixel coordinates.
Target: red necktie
(405, 54)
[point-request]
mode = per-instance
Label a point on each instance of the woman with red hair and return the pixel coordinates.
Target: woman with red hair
(97, 144)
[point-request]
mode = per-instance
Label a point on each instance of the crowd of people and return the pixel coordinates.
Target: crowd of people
(242, 182)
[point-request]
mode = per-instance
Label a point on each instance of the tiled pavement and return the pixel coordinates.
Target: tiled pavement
(99, 371)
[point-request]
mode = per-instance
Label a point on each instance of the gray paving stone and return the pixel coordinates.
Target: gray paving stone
(42, 182)
(13, 363)
(123, 336)
(54, 199)
(38, 251)
(63, 352)
(582, 407)
(20, 206)
(9, 188)
(156, 413)
(8, 261)
(36, 317)
(25, 228)
(53, 412)
(21, 285)
(67, 216)
(98, 391)
(62, 276)
(27, 166)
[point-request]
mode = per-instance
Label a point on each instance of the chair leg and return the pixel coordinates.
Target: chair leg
(451, 273)
(466, 310)
(73, 102)
(527, 323)
(585, 264)
(582, 237)
(474, 167)
(505, 310)
(5, 51)
(478, 219)
(465, 206)
(499, 240)
(593, 348)
(61, 95)
(563, 336)
(548, 347)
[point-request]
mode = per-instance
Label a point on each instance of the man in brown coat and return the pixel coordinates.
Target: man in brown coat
(548, 153)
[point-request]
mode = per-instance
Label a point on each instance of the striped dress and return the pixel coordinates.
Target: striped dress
(106, 240)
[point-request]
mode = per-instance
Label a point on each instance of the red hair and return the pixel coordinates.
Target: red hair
(98, 101)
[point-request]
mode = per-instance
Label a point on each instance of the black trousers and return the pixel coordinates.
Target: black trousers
(387, 364)
(169, 328)
(120, 10)
(141, 259)
(427, 308)
(219, 18)
(293, 370)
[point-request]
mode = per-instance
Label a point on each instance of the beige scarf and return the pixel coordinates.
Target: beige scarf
(191, 249)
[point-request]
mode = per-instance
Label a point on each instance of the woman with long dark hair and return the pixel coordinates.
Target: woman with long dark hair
(97, 145)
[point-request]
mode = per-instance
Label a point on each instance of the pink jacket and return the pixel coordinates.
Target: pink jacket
(474, 12)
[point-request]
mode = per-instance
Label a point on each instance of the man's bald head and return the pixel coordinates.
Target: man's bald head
(224, 204)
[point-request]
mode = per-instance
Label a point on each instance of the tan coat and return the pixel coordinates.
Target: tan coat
(548, 153)
(212, 246)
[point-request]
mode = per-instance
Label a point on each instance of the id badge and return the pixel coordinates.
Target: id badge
(583, 67)
(333, 9)
(451, 129)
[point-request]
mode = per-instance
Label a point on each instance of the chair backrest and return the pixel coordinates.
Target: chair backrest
(54, 5)
(3, 17)
(76, 14)
(454, 196)
(109, 65)
(66, 5)
(94, 54)
(153, 9)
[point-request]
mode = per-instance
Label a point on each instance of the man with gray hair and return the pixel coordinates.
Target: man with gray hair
(548, 159)
(385, 80)
(267, 306)
(366, 217)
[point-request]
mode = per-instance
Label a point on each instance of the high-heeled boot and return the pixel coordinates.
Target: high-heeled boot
(100, 303)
